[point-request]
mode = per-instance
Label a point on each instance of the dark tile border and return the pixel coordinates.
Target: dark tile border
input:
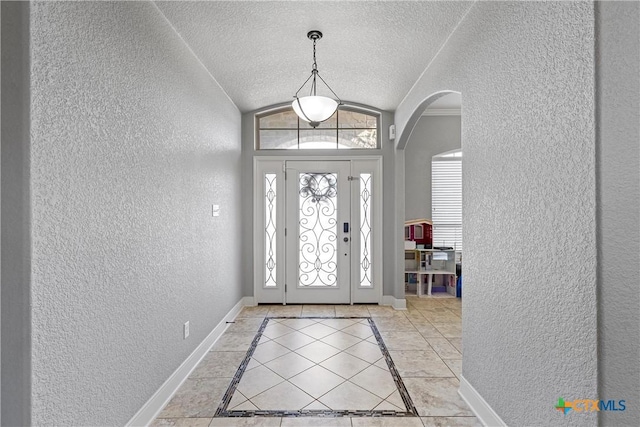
(222, 408)
(408, 403)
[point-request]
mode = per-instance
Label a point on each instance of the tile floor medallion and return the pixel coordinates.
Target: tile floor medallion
(317, 367)
(330, 366)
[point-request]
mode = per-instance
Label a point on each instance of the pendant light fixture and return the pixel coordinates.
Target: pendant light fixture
(313, 108)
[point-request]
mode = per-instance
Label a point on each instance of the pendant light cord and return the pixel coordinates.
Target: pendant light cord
(314, 73)
(314, 69)
(315, 65)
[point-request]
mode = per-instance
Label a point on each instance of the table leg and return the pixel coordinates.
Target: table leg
(429, 282)
(418, 285)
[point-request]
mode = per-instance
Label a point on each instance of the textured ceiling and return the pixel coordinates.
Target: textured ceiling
(371, 52)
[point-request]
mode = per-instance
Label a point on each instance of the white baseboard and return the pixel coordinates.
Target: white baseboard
(154, 405)
(396, 303)
(478, 405)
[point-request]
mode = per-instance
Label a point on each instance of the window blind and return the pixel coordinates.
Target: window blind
(446, 202)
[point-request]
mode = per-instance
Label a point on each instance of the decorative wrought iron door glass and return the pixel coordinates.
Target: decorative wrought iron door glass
(270, 230)
(317, 230)
(365, 230)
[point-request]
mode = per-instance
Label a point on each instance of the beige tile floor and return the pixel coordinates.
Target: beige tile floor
(332, 364)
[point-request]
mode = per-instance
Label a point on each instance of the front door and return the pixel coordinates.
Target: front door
(318, 232)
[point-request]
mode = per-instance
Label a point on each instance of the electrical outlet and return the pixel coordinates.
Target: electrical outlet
(186, 330)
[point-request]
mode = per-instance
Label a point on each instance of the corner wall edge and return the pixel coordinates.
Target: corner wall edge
(396, 303)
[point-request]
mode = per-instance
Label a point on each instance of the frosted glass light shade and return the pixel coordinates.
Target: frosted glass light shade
(316, 108)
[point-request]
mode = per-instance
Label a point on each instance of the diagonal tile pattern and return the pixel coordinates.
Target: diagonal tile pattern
(294, 340)
(366, 351)
(359, 330)
(311, 362)
(377, 380)
(349, 396)
(258, 380)
(289, 365)
(318, 331)
(317, 351)
(317, 381)
(268, 351)
(345, 365)
(340, 340)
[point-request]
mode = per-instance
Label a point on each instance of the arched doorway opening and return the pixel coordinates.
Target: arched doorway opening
(432, 145)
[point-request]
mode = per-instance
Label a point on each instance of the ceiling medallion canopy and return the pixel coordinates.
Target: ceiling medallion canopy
(313, 108)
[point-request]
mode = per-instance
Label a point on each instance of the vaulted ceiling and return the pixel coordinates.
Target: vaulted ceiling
(371, 53)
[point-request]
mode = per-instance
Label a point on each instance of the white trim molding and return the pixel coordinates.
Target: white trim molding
(154, 405)
(396, 303)
(442, 112)
(277, 165)
(478, 405)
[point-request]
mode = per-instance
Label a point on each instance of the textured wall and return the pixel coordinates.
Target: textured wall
(526, 74)
(132, 141)
(16, 261)
(618, 95)
(432, 135)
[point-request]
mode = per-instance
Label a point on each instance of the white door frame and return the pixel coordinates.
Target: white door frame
(275, 292)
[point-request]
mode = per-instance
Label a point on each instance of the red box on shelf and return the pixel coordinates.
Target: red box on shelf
(419, 231)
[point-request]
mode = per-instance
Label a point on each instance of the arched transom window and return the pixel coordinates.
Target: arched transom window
(348, 128)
